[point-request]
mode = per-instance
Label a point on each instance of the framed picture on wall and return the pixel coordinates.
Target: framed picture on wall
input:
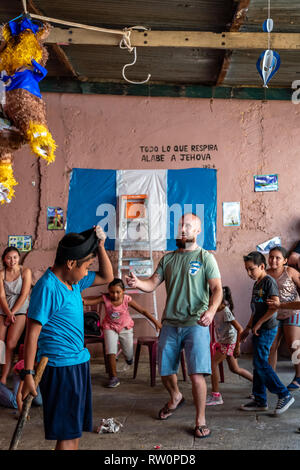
(231, 214)
(21, 242)
(55, 218)
(266, 183)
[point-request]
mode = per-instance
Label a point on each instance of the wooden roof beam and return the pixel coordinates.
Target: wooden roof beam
(237, 21)
(201, 39)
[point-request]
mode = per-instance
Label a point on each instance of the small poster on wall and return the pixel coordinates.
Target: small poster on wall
(55, 218)
(266, 183)
(231, 214)
(21, 242)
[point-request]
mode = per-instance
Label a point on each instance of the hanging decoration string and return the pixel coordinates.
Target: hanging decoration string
(25, 6)
(268, 62)
(129, 65)
(125, 43)
(269, 31)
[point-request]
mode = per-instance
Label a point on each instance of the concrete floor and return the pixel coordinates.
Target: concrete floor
(135, 404)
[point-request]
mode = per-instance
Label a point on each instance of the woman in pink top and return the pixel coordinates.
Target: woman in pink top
(288, 281)
(118, 325)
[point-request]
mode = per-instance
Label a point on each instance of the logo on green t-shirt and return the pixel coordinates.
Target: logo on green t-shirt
(194, 267)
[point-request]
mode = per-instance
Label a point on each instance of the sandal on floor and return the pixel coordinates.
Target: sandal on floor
(166, 410)
(201, 429)
(294, 385)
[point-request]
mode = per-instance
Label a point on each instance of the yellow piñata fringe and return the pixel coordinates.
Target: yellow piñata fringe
(6, 33)
(41, 141)
(7, 179)
(19, 54)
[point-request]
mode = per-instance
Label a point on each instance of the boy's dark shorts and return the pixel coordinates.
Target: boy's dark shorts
(67, 401)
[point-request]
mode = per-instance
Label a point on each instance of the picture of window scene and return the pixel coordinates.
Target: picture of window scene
(266, 183)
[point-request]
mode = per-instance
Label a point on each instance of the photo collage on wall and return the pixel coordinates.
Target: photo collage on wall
(21, 242)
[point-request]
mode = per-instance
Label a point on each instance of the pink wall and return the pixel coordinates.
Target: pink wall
(94, 131)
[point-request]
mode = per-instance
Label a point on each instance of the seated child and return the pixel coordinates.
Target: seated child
(118, 325)
(264, 325)
(13, 399)
(228, 332)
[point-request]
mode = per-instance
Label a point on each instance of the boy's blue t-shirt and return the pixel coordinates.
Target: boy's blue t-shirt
(60, 311)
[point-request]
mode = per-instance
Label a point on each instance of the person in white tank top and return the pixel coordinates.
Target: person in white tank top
(288, 281)
(15, 285)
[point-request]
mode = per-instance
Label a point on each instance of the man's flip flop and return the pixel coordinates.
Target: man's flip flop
(166, 410)
(201, 429)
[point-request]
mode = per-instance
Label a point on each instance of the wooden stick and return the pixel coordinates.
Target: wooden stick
(77, 25)
(26, 405)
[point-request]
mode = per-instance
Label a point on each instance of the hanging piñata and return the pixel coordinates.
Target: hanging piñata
(22, 60)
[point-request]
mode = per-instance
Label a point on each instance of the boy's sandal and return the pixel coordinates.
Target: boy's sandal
(169, 411)
(201, 429)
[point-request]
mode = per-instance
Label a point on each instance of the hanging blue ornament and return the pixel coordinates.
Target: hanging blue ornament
(268, 25)
(267, 65)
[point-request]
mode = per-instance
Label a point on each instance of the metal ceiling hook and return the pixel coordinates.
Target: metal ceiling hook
(130, 65)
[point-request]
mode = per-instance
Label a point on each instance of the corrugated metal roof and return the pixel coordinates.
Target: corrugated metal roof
(285, 14)
(203, 15)
(166, 64)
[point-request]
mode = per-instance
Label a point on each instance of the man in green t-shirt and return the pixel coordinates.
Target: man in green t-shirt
(189, 273)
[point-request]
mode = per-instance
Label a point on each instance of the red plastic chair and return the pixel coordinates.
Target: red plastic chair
(151, 343)
(91, 339)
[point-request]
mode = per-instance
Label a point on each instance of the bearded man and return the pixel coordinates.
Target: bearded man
(189, 272)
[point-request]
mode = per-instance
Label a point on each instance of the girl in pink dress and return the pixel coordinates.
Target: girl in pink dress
(118, 325)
